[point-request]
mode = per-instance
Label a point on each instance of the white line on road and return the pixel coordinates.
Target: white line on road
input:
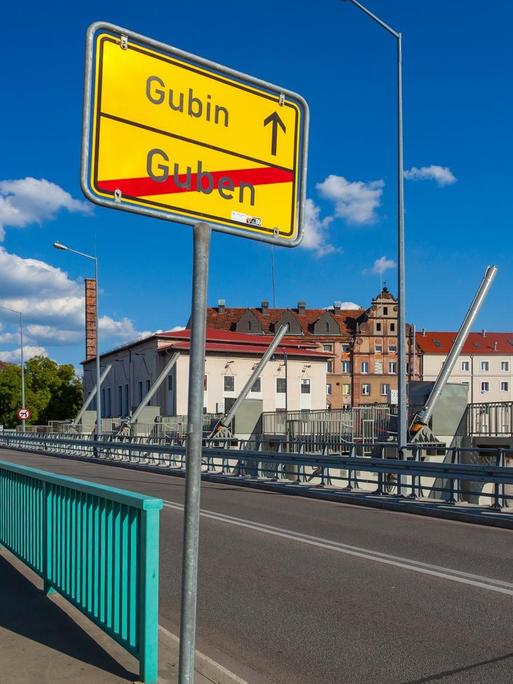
(397, 561)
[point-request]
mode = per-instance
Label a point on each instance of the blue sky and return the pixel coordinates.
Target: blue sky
(458, 61)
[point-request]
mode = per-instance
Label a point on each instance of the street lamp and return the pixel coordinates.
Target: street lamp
(402, 432)
(64, 248)
(6, 308)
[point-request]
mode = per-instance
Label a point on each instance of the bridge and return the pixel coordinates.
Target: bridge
(307, 590)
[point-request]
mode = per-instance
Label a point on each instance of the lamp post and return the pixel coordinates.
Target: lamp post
(402, 432)
(6, 308)
(64, 248)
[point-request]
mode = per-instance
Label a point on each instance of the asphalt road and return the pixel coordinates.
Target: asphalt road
(293, 590)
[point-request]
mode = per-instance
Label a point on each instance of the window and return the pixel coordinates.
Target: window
(205, 382)
(392, 348)
(364, 367)
(329, 366)
(504, 365)
(148, 385)
(328, 389)
(485, 366)
(257, 386)
(229, 383)
(378, 348)
(281, 385)
(345, 348)
(366, 390)
(385, 389)
(327, 347)
(392, 367)
(127, 407)
(385, 311)
(465, 365)
(109, 403)
(120, 399)
(392, 327)
(170, 383)
(504, 386)
(305, 386)
(346, 389)
(346, 366)
(378, 327)
(378, 367)
(104, 405)
(485, 387)
(140, 387)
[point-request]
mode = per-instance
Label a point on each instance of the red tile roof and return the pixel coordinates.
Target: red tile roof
(227, 318)
(476, 343)
(241, 343)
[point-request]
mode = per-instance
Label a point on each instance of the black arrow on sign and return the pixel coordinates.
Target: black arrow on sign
(276, 121)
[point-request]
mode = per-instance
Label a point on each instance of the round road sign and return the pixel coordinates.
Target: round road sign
(23, 414)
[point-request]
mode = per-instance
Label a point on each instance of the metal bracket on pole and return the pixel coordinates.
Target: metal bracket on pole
(149, 394)
(229, 415)
(202, 234)
(91, 396)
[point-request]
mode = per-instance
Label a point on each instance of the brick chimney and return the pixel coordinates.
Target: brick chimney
(221, 303)
(264, 306)
(301, 306)
(91, 336)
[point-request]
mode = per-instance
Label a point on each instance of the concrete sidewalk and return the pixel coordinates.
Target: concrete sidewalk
(44, 640)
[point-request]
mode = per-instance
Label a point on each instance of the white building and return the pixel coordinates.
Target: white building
(295, 377)
(485, 364)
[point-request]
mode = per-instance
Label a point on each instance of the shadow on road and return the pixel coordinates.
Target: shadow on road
(26, 611)
(467, 668)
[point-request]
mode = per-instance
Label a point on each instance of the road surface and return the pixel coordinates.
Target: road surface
(293, 590)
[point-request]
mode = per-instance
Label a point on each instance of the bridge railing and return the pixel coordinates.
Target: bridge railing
(481, 476)
(97, 546)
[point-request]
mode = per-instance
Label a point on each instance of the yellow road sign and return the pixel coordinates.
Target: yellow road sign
(171, 135)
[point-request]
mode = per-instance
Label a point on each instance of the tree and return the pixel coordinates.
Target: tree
(52, 391)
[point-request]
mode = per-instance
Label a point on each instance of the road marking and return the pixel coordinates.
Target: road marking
(206, 666)
(479, 581)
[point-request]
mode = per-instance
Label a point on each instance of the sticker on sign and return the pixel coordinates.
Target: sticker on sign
(171, 135)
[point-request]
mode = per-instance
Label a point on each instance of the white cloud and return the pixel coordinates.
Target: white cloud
(30, 200)
(355, 201)
(51, 334)
(346, 306)
(51, 302)
(123, 329)
(442, 175)
(316, 235)
(13, 355)
(381, 265)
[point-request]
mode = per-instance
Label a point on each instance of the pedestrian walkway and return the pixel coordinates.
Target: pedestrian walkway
(43, 640)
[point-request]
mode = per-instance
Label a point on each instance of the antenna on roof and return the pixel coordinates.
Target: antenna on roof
(273, 281)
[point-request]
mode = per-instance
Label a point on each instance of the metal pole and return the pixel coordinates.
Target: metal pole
(202, 233)
(98, 378)
(23, 422)
(226, 419)
(402, 437)
(153, 389)
(457, 346)
(91, 396)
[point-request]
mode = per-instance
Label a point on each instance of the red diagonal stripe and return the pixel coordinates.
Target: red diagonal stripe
(142, 187)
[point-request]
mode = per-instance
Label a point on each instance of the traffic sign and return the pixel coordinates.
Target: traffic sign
(174, 136)
(23, 414)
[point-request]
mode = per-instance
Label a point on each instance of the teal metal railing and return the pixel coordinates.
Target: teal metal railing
(97, 546)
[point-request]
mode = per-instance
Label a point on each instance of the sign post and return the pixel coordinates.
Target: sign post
(173, 136)
(202, 233)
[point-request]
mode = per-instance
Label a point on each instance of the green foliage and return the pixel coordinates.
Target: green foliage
(52, 391)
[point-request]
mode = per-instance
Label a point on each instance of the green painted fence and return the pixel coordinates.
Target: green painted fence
(97, 546)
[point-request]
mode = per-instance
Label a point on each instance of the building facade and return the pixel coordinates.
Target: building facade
(294, 378)
(485, 364)
(363, 369)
